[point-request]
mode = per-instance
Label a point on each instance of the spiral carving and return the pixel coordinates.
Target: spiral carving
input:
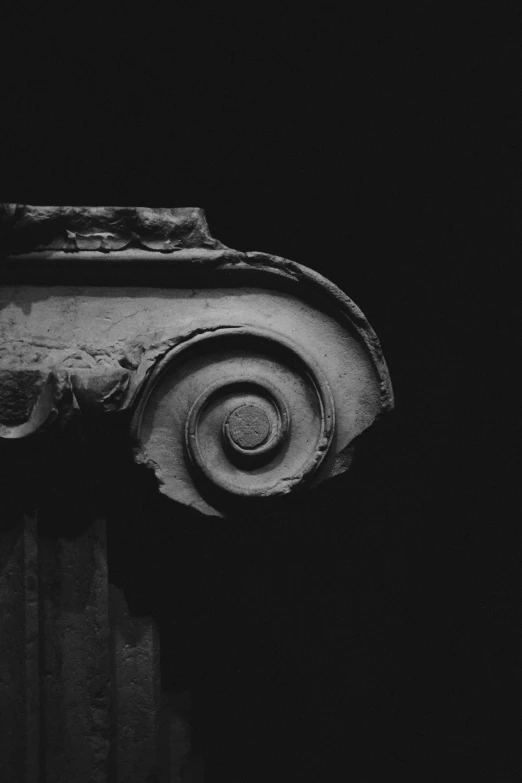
(246, 374)
(237, 412)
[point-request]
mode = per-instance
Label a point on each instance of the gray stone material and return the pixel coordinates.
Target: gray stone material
(26, 228)
(19, 652)
(230, 376)
(83, 349)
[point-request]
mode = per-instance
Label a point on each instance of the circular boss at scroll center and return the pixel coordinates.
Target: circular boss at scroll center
(253, 419)
(247, 427)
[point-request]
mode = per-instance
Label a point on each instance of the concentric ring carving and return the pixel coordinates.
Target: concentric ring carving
(244, 412)
(247, 421)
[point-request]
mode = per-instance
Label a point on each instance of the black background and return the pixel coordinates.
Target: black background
(371, 630)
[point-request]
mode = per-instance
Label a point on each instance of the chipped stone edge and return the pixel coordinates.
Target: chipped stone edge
(167, 269)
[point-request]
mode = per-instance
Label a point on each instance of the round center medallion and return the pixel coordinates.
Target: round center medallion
(248, 426)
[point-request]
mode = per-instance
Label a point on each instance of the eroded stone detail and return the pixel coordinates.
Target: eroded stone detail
(236, 376)
(29, 228)
(269, 398)
(247, 427)
(289, 372)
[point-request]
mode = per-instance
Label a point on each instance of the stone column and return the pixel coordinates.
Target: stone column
(233, 378)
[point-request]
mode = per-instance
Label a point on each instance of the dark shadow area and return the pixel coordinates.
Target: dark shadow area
(370, 624)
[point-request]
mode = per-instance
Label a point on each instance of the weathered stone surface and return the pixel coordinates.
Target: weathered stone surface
(25, 228)
(107, 349)
(248, 427)
(27, 401)
(76, 650)
(234, 376)
(209, 377)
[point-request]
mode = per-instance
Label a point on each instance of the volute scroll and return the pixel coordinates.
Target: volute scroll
(240, 410)
(234, 378)
(243, 375)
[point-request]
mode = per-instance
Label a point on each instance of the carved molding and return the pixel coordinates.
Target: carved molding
(105, 229)
(242, 374)
(254, 416)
